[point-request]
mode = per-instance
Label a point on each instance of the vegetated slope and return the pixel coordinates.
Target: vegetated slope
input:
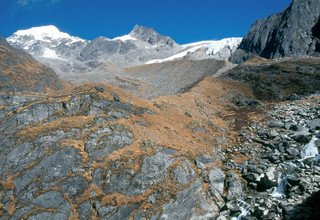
(293, 32)
(171, 77)
(21, 72)
(281, 79)
(101, 153)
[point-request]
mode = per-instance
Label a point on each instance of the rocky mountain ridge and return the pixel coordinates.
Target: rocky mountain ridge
(69, 55)
(295, 32)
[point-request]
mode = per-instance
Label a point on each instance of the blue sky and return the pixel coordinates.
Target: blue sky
(183, 20)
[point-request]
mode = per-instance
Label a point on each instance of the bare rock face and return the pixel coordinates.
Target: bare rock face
(293, 32)
(89, 155)
(20, 72)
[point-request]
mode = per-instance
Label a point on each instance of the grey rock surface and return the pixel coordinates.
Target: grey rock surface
(293, 32)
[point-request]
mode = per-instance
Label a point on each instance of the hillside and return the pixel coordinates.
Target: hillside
(21, 72)
(288, 78)
(171, 77)
(101, 153)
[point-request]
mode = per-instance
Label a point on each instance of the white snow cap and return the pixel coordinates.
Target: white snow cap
(44, 33)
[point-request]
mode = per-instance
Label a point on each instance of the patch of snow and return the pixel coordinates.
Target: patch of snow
(51, 54)
(214, 46)
(177, 56)
(125, 38)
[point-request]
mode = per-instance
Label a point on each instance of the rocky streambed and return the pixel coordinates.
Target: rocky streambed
(281, 175)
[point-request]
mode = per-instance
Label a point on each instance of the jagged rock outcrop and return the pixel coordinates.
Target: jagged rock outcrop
(21, 72)
(293, 32)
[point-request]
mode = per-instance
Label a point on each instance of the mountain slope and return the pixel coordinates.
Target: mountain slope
(100, 153)
(293, 32)
(153, 80)
(21, 72)
(168, 78)
(287, 78)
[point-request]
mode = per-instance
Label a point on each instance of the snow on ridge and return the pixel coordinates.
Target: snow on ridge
(125, 38)
(233, 41)
(210, 46)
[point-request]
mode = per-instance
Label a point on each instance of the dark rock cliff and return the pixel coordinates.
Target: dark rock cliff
(293, 32)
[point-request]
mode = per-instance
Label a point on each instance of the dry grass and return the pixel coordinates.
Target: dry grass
(65, 124)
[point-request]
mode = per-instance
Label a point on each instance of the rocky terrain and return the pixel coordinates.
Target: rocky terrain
(282, 176)
(101, 153)
(21, 72)
(183, 137)
(213, 151)
(295, 32)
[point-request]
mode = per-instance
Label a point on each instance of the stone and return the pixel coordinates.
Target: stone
(99, 88)
(216, 179)
(254, 168)
(85, 211)
(50, 199)
(203, 160)
(123, 212)
(235, 188)
(302, 137)
(74, 186)
(314, 124)
(252, 177)
(184, 173)
(293, 152)
(101, 144)
(273, 133)
(221, 217)
(186, 201)
(153, 171)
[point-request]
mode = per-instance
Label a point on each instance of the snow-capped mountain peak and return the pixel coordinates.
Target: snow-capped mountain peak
(43, 33)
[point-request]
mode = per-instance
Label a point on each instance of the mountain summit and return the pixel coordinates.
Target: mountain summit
(151, 36)
(48, 33)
